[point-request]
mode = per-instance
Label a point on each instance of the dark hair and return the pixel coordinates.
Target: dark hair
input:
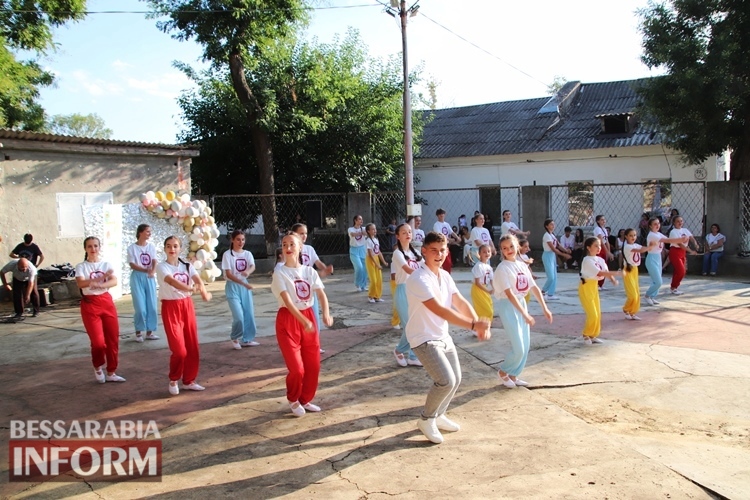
(86, 255)
(417, 255)
(279, 253)
(173, 237)
(567, 229)
(521, 241)
(546, 223)
(505, 212)
(236, 233)
(651, 221)
(628, 266)
(598, 218)
(27, 238)
(439, 211)
(718, 228)
(579, 231)
(514, 241)
(586, 245)
(354, 220)
(140, 229)
(301, 245)
(433, 237)
(297, 226)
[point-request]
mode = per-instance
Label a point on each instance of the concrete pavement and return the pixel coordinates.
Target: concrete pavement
(661, 409)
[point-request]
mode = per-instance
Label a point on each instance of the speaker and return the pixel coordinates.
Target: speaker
(314, 213)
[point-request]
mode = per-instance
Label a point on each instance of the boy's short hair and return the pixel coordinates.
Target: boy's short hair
(567, 229)
(440, 211)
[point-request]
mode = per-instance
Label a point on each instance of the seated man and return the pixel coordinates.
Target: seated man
(24, 278)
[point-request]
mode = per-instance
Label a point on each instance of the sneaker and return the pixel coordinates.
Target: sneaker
(379, 300)
(18, 316)
(194, 386)
(586, 340)
(114, 378)
(236, 345)
(413, 362)
(634, 317)
(565, 266)
(400, 358)
(653, 299)
(596, 340)
(173, 389)
(322, 351)
(397, 327)
(676, 291)
(99, 374)
(520, 383)
(151, 336)
(445, 424)
(297, 409)
(35, 314)
(430, 430)
(311, 407)
(252, 343)
(371, 300)
(704, 274)
(506, 381)
(551, 297)
(712, 274)
(138, 337)
(628, 316)
(650, 301)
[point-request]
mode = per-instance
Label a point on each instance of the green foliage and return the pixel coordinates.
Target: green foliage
(558, 82)
(334, 116)
(703, 102)
(91, 125)
(26, 25)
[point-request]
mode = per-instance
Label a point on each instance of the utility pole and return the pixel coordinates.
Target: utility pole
(398, 8)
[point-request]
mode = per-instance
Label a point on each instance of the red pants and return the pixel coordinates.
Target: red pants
(100, 320)
(301, 351)
(678, 259)
(178, 317)
(603, 254)
(448, 263)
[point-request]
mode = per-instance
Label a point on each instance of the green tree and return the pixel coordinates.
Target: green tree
(234, 34)
(27, 25)
(76, 124)
(703, 102)
(334, 118)
(558, 82)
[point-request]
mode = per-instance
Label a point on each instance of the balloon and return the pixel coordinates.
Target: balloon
(185, 198)
(194, 246)
(211, 221)
(196, 205)
(198, 264)
(150, 195)
(213, 242)
(173, 220)
(216, 272)
(164, 204)
(200, 241)
(205, 276)
(191, 255)
(197, 231)
(175, 205)
(159, 196)
(170, 213)
(201, 255)
(161, 214)
(208, 210)
(181, 212)
(214, 255)
(169, 196)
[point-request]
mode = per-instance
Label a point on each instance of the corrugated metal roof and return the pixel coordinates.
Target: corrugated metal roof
(68, 139)
(514, 127)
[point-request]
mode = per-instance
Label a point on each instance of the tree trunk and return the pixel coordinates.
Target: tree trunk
(261, 147)
(739, 164)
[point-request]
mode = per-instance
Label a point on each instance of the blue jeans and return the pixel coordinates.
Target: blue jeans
(653, 266)
(143, 294)
(240, 301)
(711, 259)
(357, 255)
(402, 306)
(550, 269)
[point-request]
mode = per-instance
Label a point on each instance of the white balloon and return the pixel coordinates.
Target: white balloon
(194, 237)
(198, 265)
(173, 220)
(201, 255)
(214, 255)
(197, 231)
(158, 209)
(196, 205)
(213, 242)
(150, 195)
(200, 241)
(185, 198)
(181, 212)
(210, 264)
(175, 206)
(216, 272)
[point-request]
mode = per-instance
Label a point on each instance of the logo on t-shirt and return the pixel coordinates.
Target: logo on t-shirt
(522, 282)
(358, 236)
(305, 259)
(375, 248)
(444, 230)
(418, 237)
(487, 277)
(636, 258)
(240, 265)
(413, 264)
(145, 260)
(485, 237)
(96, 275)
(303, 289)
(182, 278)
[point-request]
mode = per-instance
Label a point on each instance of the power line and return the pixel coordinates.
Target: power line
(484, 50)
(225, 11)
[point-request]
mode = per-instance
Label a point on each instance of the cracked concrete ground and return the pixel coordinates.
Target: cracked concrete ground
(659, 410)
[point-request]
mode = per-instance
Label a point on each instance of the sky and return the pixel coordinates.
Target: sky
(120, 66)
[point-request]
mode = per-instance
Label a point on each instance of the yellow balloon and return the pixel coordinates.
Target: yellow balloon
(165, 204)
(170, 195)
(191, 255)
(159, 195)
(194, 246)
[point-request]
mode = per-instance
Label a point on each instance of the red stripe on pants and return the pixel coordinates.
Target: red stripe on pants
(301, 351)
(178, 317)
(678, 259)
(100, 320)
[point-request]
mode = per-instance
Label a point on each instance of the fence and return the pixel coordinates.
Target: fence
(744, 246)
(574, 204)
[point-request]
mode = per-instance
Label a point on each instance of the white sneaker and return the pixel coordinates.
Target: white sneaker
(151, 336)
(650, 301)
(596, 340)
(100, 375)
(413, 362)
(628, 316)
(311, 407)
(653, 299)
(676, 291)
(174, 390)
(552, 297)
(400, 358)
(430, 430)
(379, 300)
(445, 424)
(194, 386)
(252, 343)
(138, 337)
(520, 383)
(634, 317)
(506, 381)
(236, 345)
(114, 378)
(587, 340)
(371, 300)
(297, 409)
(397, 327)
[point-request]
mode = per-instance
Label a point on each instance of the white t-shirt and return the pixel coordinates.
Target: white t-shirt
(505, 228)
(481, 234)
(443, 228)
(357, 236)
(514, 276)
(568, 241)
(679, 233)
(483, 272)
(630, 254)
(309, 256)
(548, 238)
(602, 234)
(181, 272)
(422, 286)
(401, 259)
(374, 246)
(142, 256)
(711, 239)
(299, 282)
(237, 263)
(591, 266)
(652, 236)
(90, 271)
